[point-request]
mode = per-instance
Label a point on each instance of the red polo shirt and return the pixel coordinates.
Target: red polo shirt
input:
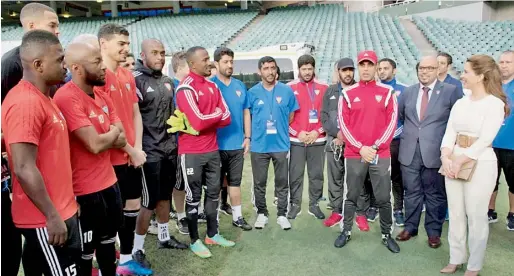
(28, 116)
(91, 172)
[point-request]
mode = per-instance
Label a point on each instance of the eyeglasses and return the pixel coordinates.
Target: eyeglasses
(428, 68)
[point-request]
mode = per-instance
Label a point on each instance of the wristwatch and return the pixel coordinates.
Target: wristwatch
(249, 138)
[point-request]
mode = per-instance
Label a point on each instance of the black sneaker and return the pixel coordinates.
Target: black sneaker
(390, 243)
(172, 243)
(294, 211)
(315, 211)
(226, 209)
(202, 218)
(372, 214)
(182, 226)
(510, 222)
(343, 239)
(140, 258)
(241, 223)
(492, 215)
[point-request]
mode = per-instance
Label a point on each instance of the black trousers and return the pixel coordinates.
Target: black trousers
(313, 157)
(423, 185)
(11, 239)
(39, 257)
(260, 166)
(197, 170)
(505, 163)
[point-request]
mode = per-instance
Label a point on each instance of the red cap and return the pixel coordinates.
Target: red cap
(367, 55)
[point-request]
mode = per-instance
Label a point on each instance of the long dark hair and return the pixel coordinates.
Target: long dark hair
(485, 65)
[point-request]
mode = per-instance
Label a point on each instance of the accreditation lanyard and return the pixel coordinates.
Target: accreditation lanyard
(271, 100)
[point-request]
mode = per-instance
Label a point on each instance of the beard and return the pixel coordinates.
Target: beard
(94, 80)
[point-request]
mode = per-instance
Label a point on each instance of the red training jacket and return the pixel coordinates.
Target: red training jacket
(202, 103)
(301, 122)
(367, 116)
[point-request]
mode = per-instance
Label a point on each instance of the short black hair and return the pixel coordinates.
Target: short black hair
(192, 51)
(266, 59)
(108, 30)
(278, 72)
(223, 51)
(306, 59)
(447, 56)
(392, 62)
(36, 42)
(417, 67)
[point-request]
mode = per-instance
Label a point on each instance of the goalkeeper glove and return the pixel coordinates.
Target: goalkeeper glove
(179, 122)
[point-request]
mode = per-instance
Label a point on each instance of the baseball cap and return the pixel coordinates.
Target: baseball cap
(345, 63)
(367, 55)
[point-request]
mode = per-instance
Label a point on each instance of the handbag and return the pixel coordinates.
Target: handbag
(466, 171)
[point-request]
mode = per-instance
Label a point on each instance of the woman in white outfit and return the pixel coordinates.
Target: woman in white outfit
(473, 124)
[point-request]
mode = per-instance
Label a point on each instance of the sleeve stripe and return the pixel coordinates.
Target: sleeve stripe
(398, 131)
(392, 125)
(292, 131)
(195, 109)
(345, 130)
(227, 111)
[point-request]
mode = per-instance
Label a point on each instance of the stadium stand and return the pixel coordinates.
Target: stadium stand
(182, 31)
(462, 39)
(335, 34)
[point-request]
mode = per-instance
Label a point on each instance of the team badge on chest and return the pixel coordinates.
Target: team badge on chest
(238, 93)
(127, 85)
(279, 99)
(378, 98)
(105, 109)
(316, 92)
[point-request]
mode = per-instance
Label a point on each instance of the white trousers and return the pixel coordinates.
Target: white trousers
(468, 205)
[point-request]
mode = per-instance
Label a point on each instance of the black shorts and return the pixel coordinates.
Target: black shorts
(39, 257)
(506, 163)
(232, 162)
(129, 180)
(159, 179)
(101, 215)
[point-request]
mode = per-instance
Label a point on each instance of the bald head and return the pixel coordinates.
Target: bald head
(427, 70)
(85, 63)
(87, 38)
(36, 16)
(153, 54)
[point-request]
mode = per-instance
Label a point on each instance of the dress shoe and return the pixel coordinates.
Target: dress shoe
(390, 243)
(471, 273)
(450, 269)
(404, 236)
(434, 242)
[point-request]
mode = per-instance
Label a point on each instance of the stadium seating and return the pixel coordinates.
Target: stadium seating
(335, 34)
(183, 31)
(462, 39)
(70, 28)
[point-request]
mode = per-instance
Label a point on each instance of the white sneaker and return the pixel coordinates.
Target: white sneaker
(261, 221)
(153, 230)
(284, 223)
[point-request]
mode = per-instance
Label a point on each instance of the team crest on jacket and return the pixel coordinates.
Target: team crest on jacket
(279, 99)
(127, 85)
(210, 89)
(316, 91)
(238, 93)
(168, 86)
(105, 109)
(378, 98)
(113, 88)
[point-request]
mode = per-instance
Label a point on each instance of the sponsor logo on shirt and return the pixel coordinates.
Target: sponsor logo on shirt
(92, 114)
(238, 93)
(260, 102)
(279, 99)
(168, 86)
(149, 89)
(210, 89)
(356, 100)
(200, 93)
(56, 120)
(378, 98)
(113, 88)
(333, 97)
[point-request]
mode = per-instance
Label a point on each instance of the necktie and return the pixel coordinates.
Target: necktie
(424, 103)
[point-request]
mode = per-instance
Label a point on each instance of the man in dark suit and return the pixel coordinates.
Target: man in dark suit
(424, 108)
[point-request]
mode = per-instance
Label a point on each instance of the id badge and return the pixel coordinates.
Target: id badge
(271, 127)
(313, 116)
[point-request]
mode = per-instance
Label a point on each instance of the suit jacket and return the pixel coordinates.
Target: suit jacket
(430, 131)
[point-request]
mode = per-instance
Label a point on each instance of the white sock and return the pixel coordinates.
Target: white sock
(164, 233)
(200, 209)
(125, 258)
(139, 241)
(236, 212)
(181, 215)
